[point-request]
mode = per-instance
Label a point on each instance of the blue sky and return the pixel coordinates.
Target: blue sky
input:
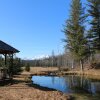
(34, 26)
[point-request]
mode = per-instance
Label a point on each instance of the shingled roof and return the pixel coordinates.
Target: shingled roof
(6, 49)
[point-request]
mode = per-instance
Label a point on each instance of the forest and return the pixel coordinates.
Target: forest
(82, 39)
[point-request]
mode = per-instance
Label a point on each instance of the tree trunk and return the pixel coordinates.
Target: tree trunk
(72, 64)
(81, 64)
(81, 78)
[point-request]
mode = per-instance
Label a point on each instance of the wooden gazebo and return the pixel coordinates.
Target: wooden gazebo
(6, 50)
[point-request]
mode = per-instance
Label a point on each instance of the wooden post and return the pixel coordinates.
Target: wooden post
(11, 65)
(12, 59)
(5, 59)
(3, 71)
(11, 69)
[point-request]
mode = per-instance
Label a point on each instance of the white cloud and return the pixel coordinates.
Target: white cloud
(27, 58)
(36, 57)
(40, 56)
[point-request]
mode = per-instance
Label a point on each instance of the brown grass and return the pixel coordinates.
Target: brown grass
(92, 73)
(41, 70)
(21, 90)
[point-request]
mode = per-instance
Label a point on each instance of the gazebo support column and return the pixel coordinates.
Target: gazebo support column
(5, 59)
(12, 62)
(12, 59)
(4, 70)
(11, 66)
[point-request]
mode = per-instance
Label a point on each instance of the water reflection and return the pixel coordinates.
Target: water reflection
(78, 85)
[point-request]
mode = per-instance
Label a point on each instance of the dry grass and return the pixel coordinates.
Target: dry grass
(41, 70)
(93, 73)
(55, 69)
(20, 90)
(23, 92)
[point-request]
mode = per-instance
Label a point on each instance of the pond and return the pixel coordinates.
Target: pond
(82, 88)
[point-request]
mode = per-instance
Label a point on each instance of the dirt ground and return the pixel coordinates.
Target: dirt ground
(21, 90)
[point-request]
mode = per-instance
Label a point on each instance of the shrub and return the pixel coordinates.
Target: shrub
(27, 67)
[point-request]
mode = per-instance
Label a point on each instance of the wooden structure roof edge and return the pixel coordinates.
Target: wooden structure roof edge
(6, 48)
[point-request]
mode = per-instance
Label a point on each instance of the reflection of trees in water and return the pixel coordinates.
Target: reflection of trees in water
(69, 82)
(79, 84)
(95, 87)
(97, 95)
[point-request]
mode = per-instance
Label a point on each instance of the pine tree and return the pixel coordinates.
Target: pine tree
(74, 31)
(94, 13)
(90, 45)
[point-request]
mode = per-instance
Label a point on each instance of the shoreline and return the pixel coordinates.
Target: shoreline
(92, 74)
(22, 89)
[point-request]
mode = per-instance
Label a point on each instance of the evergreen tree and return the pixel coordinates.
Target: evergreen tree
(27, 67)
(94, 12)
(90, 45)
(74, 32)
(16, 67)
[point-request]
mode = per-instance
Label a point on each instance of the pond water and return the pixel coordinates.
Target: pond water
(82, 88)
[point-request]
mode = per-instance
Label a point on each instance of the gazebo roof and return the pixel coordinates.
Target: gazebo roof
(6, 49)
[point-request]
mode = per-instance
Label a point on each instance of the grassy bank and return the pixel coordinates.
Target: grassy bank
(93, 73)
(22, 89)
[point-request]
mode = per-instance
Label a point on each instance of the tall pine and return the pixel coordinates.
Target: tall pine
(74, 31)
(94, 13)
